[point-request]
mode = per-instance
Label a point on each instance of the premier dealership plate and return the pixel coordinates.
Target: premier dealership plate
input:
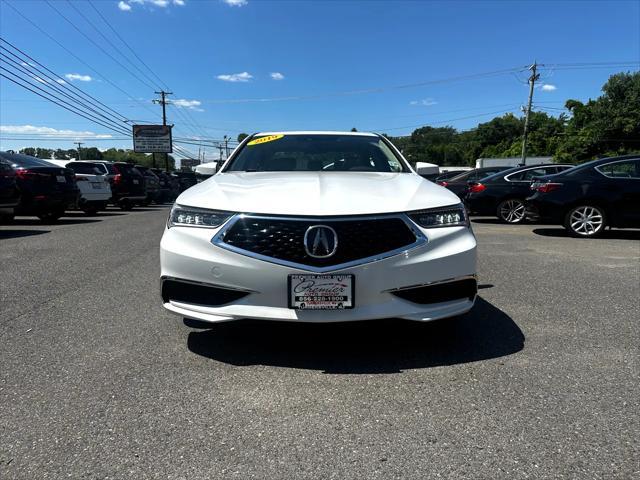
(321, 292)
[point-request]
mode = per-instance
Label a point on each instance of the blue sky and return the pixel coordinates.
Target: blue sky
(243, 66)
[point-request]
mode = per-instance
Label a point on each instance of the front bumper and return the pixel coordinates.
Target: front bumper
(188, 254)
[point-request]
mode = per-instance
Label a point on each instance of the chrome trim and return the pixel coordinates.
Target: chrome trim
(429, 284)
(218, 239)
(335, 241)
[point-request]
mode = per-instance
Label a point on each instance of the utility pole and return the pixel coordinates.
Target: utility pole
(79, 154)
(532, 80)
(226, 146)
(162, 101)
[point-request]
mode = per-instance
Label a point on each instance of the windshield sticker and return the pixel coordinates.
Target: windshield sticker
(269, 138)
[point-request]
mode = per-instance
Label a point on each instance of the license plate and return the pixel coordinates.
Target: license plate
(135, 182)
(96, 185)
(61, 178)
(321, 292)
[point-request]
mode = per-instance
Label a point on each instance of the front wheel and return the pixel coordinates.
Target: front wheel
(585, 221)
(511, 210)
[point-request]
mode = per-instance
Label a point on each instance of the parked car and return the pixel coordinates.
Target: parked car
(186, 179)
(326, 227)
(95, 191)
(450, 174)
(127, 184)
(167, 191)
(9, 193)
(459, 184)
(151, 184)
(503, 194)
(590, 197)
(46, 190)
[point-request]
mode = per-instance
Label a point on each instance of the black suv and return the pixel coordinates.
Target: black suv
(503, 193)
(127, 183)
(46, 190)
(168, 192)
(151, 185)
(590, 197)
(186, 179)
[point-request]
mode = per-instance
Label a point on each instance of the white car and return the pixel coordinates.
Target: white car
(94, 187)
(317, 227)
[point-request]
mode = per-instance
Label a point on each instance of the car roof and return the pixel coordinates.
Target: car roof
(318, 132)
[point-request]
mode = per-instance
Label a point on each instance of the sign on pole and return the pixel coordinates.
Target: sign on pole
(152, 139)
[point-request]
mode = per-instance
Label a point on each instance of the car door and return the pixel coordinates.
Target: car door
(621, 189)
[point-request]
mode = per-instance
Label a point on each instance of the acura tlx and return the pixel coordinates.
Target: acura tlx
(317, 227)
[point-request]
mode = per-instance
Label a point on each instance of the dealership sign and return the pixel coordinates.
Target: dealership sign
(152, 139)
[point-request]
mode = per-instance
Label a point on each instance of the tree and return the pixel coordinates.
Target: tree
(242, 136)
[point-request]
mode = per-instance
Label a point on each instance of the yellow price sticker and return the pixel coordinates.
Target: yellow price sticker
(268, 138)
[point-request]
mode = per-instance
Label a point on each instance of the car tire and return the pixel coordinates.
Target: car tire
(7, 218)
(511, 210)
(585, 221)
(51, 217)
(91, 211)
(126, 205)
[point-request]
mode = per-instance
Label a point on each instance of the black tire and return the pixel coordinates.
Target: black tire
(7, 218)
(585, 221)
(126, 205)
(91, 211)
(511, 210)
(51, 217)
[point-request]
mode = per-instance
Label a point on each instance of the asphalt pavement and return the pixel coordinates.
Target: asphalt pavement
(540, 380)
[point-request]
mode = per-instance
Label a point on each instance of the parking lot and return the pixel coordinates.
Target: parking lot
(540, 380)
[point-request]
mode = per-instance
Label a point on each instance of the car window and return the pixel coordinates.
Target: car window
(86, 168)
(528, 175)
(626, 169)
(316, 153)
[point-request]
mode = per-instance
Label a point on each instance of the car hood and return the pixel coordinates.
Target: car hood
(317, 193)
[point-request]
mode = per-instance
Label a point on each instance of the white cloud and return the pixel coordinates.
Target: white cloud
(276, 76)
(190, 104)
(235, 77)
(76, 76)
(127, 5)
(548, 87)
(236, 3)
(48, 131)
(425, 102)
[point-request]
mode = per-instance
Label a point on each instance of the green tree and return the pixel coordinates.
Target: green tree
(242, 136)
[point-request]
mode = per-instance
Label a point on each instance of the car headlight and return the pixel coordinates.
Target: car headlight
(182, 216)
(453, 216)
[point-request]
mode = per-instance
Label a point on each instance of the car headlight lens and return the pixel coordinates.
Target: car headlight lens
(454, 216)
(182, 216)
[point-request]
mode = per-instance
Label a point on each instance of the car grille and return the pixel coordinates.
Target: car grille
(200, 294)
(283, 239)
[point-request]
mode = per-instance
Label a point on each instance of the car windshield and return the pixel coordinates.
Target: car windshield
(316, 153)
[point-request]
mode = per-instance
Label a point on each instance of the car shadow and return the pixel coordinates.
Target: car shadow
(606, 235)
(6, 234)
(369, 347)
(97, 215)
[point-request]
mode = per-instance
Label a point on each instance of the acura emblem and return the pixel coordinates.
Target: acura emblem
(320, 241)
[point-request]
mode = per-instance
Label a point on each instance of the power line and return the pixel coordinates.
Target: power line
(53, 85)
(58, 78)
(92, 25)
(55, 99)
(103, 77)
(127, 45)
(97, 45)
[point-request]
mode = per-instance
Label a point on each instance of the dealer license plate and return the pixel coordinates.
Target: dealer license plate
(61, 178)
(321, 292)
(96, 185)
